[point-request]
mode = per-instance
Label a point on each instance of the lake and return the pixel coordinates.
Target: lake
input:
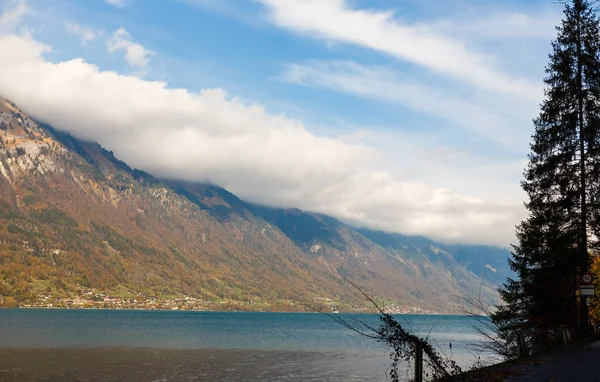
(103, 345)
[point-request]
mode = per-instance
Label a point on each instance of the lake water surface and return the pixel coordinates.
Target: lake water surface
(103, 345)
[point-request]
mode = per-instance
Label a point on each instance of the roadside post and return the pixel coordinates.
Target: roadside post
(586, 288)
(418, 362)
(566, 332)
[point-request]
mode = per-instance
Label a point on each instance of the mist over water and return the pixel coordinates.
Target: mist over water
(173, 346)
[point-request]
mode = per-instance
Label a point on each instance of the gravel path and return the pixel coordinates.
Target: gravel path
(580, 363)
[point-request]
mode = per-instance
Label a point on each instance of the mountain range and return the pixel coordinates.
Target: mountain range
(75, 220)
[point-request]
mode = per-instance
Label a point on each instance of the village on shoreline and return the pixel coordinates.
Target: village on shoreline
(96, 299)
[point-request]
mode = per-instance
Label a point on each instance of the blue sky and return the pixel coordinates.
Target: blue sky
(408, 116)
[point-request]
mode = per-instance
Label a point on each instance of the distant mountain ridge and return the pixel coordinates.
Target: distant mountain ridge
(489, 263)
(74, 217)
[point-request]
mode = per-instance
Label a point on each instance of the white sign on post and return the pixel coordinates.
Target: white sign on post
(587, 287)
(587, 290)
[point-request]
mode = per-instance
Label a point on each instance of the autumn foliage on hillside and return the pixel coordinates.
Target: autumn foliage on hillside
(73, 218)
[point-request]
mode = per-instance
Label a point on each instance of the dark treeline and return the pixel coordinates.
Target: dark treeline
(558, 239)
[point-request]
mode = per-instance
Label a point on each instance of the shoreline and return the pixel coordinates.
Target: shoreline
(120, 309)
(132, 300)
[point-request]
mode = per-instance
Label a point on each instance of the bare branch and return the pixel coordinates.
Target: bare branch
(403, 343)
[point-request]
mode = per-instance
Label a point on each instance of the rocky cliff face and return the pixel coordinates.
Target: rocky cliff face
(74, 219)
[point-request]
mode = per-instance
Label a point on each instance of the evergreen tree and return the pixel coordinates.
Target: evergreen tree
(562, 181)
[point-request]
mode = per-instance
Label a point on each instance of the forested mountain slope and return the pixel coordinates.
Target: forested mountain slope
(75, 222)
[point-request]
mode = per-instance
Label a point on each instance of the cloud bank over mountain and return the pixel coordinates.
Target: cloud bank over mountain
(260, 156)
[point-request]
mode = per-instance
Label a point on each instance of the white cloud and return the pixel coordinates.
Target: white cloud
(335, 20)
(86, 34)
(135, 54)
(12, 15)
(117, 3)
(500, 26)
(491, 116)
(259, 156)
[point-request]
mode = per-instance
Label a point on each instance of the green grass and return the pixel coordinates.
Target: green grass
(42, 285)
(121, 292)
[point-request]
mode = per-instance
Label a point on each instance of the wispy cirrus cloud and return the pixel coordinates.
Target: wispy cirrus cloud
(336, 20)
(499, 26)
(490, 116)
